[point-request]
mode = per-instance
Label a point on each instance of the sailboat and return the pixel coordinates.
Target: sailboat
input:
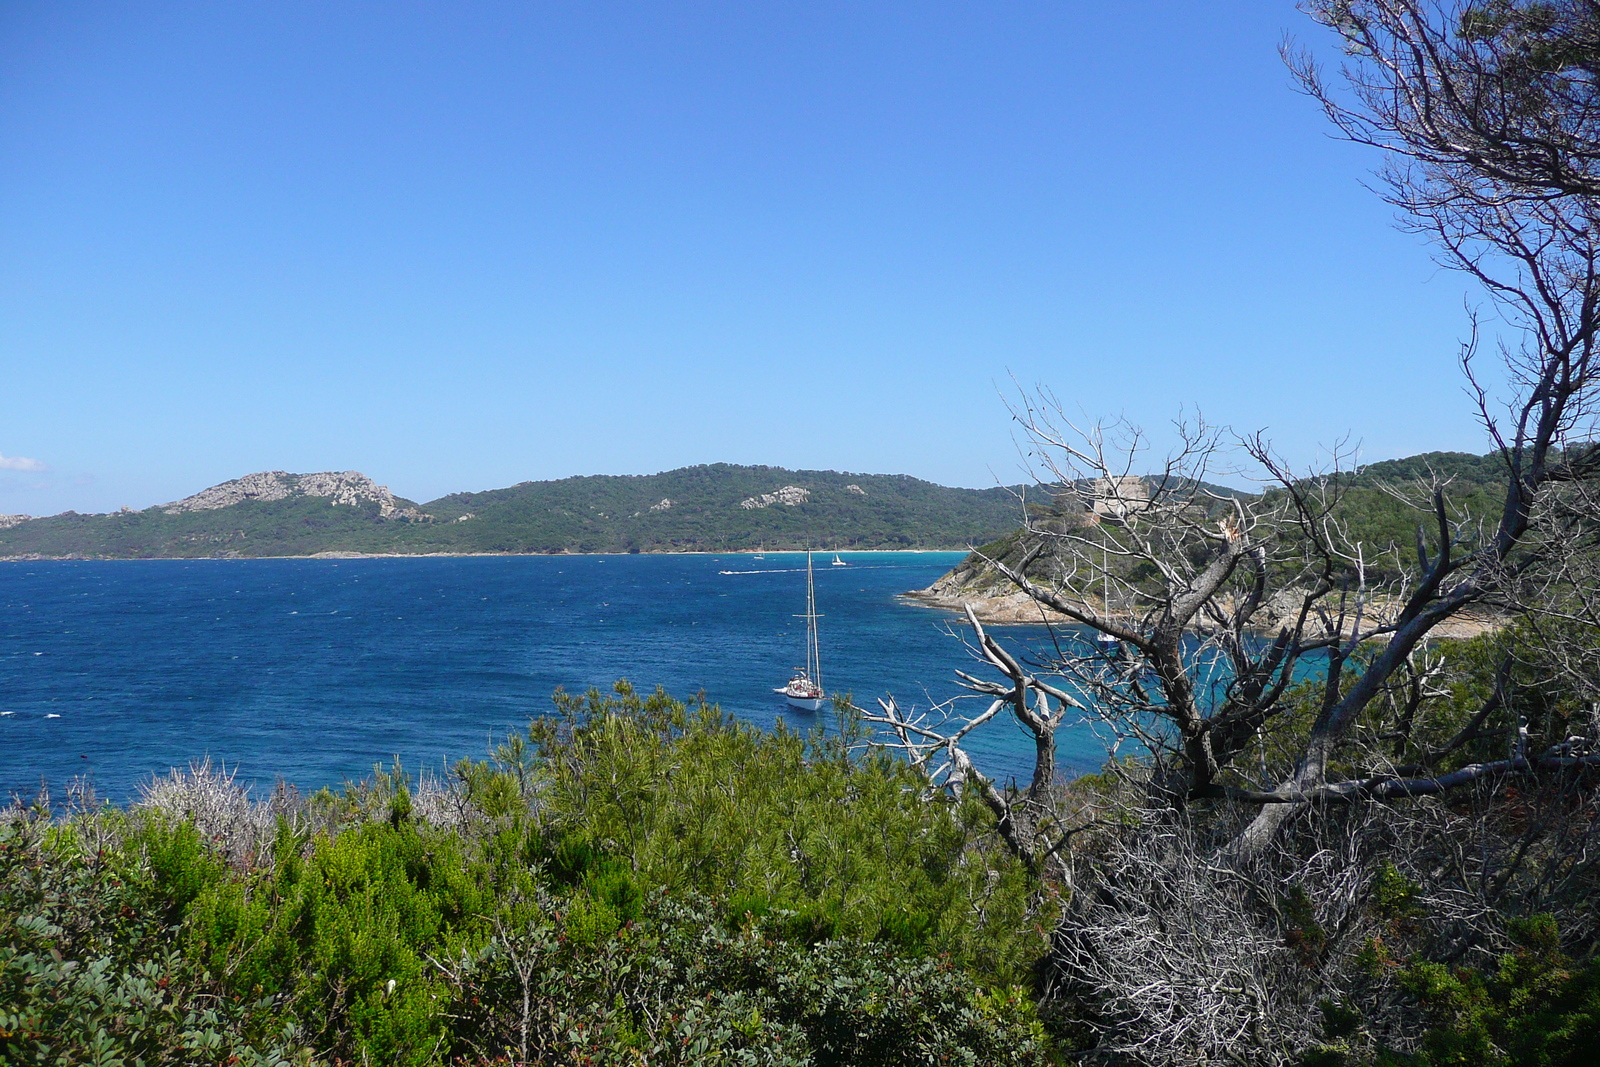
(837, 562)
(1108, 645)
(804, 690)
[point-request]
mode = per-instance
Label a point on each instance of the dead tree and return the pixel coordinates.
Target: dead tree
(1025, 819)
(1503, 96)
(1218, 610)
(1182, 578)
(1465, 99)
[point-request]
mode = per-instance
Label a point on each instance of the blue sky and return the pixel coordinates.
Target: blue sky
(456, 246)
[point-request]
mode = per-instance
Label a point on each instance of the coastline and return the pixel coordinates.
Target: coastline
(34, 558)
(1019, 609)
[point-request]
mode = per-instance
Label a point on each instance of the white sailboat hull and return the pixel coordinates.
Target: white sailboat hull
(804, 703)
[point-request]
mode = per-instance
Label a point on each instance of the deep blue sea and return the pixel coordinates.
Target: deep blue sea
(314, 670)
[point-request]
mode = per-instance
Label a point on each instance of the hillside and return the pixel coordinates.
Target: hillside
(1369, 510)
(717, 507)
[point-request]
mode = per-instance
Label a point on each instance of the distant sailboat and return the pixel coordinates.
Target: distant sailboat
(1108, 644)
(837, 562)
(804, 690)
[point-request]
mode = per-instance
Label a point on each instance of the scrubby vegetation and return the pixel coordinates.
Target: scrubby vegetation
(637, 880)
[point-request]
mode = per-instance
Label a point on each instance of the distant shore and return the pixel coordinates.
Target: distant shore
(34, 558)
(1019, 609)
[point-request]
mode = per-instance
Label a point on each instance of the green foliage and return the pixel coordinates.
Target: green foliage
(1393, 895)
(89, 973)
(637, 878)
(684, 987)
(1538, 1008)
(1463, 469)
(688, 798)
(339, 932)
(1302, 933)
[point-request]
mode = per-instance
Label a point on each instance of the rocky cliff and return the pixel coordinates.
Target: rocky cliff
(348, 488)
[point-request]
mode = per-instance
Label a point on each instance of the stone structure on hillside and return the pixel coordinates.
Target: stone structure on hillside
(1117, 498)
(350, 488)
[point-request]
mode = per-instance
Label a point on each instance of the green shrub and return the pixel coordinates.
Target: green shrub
(88, 969)
(638, 879)
(684, 987)
(691, 799)
(1538, 1008)
(342, 936)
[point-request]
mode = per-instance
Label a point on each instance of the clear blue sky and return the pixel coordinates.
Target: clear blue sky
(456, 246)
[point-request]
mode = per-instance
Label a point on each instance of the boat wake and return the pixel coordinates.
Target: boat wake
(802, 570)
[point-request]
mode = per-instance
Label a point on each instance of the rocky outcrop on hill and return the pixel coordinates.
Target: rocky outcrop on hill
(8, 521)
(789, 496)
(350, 488)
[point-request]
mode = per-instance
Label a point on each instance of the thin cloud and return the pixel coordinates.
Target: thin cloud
(20, 463)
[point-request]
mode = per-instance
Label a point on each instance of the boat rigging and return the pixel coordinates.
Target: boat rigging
(804, 690)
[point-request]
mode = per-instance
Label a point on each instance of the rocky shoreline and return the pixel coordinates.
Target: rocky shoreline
(997, 603)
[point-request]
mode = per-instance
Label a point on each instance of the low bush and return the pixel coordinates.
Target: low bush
(637, 880)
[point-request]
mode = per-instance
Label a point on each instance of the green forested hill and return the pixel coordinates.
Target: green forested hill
(1463, 470)
(700, 508)
(717, 507)
(1375, 506)
(1374, 513)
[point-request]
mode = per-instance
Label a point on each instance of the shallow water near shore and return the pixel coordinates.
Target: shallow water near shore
(315, 669)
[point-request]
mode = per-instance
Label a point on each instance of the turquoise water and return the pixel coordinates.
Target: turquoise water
(313, 670)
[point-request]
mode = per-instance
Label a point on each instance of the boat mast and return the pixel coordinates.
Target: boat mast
(813, 650)
(1105, 573)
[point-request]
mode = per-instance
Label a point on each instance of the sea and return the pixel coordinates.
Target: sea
(315, 670)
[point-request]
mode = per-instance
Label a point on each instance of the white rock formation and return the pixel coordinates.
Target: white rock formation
(788, 496)
(344, 487)
(856, 489)
(663, 506)
(268, 485)
(8, 521)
